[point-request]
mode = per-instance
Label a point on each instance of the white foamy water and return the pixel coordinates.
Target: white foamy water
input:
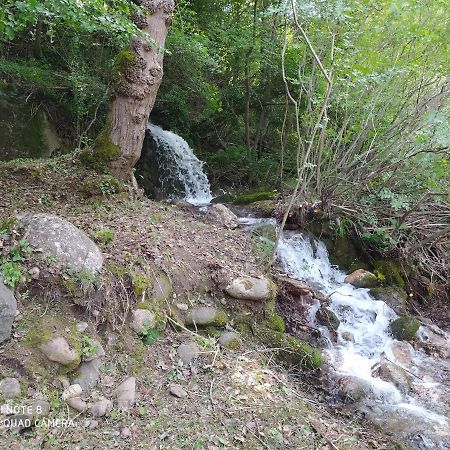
(367, 321)
(181, 171)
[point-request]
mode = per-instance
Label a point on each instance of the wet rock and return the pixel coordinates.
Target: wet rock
(101, 407)
(78, 404)
(394, 374)
(327, 318)
(230, 340)
(404, 328)
(394, 297)
(96, 351)
(126, 393)
(204, 316)
(347, 336)
(56, 236)
(434, 341)
(402, 352)
(188, 352)
(58, 350)
(362, 279)
(177, 391)
(125, 432)
(74, 390)
(9, 388)
(251, 288)
(8, 309)
(353, 389)
(82, 327)
(294, 287)
(142, 320)
(88, 374)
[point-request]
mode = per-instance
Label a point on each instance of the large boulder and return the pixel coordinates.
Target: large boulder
(394, 374)
(223, 215)
(8, 309)
(71, 246)
(58, 350)
(362, 279)
(251, 288)
(404, 328)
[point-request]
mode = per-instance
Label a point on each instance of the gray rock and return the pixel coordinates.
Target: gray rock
(88, 374)
(162, 288)
(77, 404)
(126, 393)
(101, 407)
(177, 391)
(393, 296)
(97, 351)
(142, 320)
(327, 318)
(203, 316)
(40, 408)
(9, 388)
(402, 352)
(231, 340)
(250, 288)
(56, 236)
(187, 352)
(362, 279)
(8, 309)
(353, 389)
(223, 215)
(58, 350)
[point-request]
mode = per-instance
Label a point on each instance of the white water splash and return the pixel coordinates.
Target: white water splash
(367, 320)
(181, 171)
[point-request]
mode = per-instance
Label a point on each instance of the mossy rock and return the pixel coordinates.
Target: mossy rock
(394, 297)
(205, 316)
(246, 199)
(404, 328)
(140, 283)
(289, 350)
(388, 272)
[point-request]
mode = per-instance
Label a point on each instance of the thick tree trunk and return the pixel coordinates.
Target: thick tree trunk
(139, 74)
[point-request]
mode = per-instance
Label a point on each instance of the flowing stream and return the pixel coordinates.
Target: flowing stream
(181, 172)
(414, 400)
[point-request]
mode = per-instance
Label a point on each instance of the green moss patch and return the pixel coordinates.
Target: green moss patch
(246, 199)
(405, 328)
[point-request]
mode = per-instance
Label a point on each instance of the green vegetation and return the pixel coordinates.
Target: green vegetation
(405, 328)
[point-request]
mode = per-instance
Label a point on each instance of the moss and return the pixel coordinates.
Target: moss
(140, 283)
(388, 272)
(143, 305)
(404, 328)
(246, 199)
(104, 152)
(276, 323)
(289, 350)
(117, 270)
(124, 61)
(137, 364)
(220, 320)
(7, 225)
(104, 236)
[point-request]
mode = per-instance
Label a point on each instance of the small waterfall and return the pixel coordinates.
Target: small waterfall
(180, 171)
(424, 410)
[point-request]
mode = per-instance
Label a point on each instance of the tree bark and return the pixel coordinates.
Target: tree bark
(139, 74)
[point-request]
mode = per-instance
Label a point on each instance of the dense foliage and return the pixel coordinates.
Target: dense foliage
(344, 100)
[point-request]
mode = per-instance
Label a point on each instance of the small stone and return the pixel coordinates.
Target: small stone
(230, 340)
(8, 309)
(101, 407)
(187, 352)
(126, 393)
(34, 272)
(77, 404)
(182, 306)
(74, 390)
(203, 316)
(88, 374)
(177, 391)
(402, 352)
(107, 381)
(126, 432)
(82, 327)
(58, 350)
(142, 320)
(347, 336)
(40, 408)
(94, 424)
(9, 388)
